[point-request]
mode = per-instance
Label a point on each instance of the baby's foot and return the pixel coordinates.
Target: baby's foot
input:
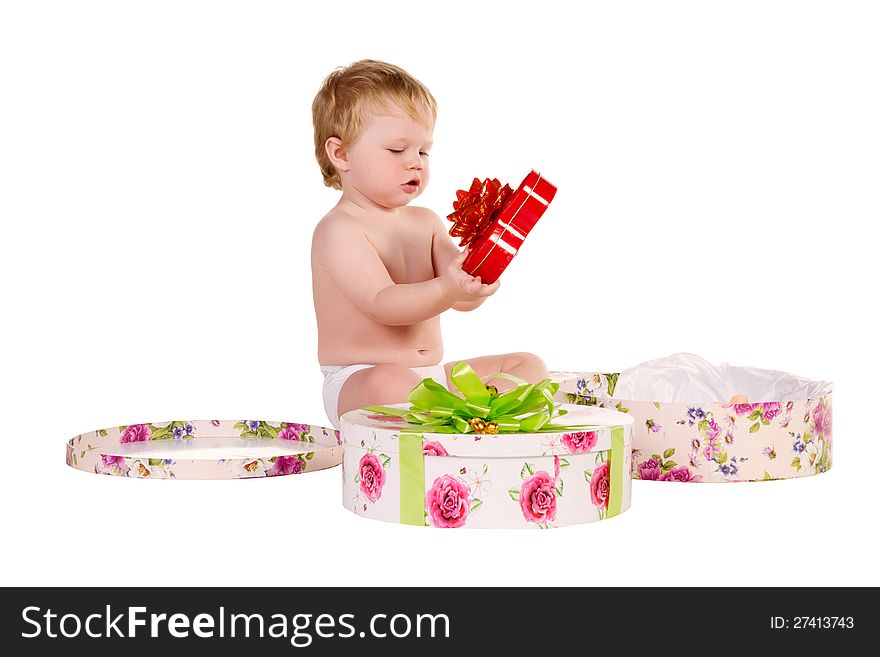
(738, 399)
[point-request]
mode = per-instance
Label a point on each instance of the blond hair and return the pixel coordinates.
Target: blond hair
(346, 93)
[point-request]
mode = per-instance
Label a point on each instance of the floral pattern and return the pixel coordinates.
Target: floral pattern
(448, 502)
(538, 493)
(124, 450)
(540, 488)
(717, 442)
(599, 480)
(371, 476)
(580, 441)
(151, 468)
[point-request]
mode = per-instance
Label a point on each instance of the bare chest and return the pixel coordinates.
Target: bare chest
(405, 249)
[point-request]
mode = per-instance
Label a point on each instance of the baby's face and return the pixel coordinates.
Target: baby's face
(388, 163)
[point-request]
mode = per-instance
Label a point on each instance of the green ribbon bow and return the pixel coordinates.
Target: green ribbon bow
(529, 407)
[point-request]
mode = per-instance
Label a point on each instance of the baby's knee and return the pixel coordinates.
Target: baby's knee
(531, 362)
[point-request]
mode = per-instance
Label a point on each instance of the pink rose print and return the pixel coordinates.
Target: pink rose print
(600, 485)
(537, 498)
(393, 421)
(649, 470)
(448, 502)
(771, 410)
(681, 473)
(111, 462)
(372, 477)
(285, 465)
(385, 418)
(744, 409)
(822, 420)
(580, 441)
(289, 433)
(431, 448)
(136, 433)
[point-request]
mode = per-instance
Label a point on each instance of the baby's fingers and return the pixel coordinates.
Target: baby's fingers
(471, 285)
(489, 290)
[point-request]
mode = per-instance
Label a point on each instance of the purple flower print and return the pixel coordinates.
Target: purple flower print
(799, 445)
(189, 429)
(649, 470)
(769, 452)
(713, 430)
(178, 433)
(252, 425)
(711, 450)
(136, 433)
(285, 465)
(581, 386)
(729, 469)
(696, 414)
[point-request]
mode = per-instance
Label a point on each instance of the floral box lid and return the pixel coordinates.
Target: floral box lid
(590, 431)
(206, 449)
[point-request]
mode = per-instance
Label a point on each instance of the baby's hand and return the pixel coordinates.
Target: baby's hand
(461, 286)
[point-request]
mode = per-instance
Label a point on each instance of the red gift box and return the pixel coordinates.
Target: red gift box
(494, 222)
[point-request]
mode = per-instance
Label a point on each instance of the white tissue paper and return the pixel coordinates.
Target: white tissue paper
(689, 378)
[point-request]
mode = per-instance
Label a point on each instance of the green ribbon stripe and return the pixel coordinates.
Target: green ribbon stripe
(412, 479)
(617, 462)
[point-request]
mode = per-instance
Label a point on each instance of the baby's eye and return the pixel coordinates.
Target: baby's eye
(394, 150)
(424, 153)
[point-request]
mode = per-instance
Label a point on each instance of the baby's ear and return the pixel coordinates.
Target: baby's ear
(336, 153)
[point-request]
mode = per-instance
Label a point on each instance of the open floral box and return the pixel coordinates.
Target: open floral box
(783, 433)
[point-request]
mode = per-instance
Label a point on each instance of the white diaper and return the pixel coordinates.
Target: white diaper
(335, 377)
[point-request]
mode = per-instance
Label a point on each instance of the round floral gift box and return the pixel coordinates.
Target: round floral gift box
(697, 442)
(515, 480)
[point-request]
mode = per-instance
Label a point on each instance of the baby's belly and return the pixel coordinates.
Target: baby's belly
(359, 340)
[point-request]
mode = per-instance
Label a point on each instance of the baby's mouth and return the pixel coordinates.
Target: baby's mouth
(412, 186)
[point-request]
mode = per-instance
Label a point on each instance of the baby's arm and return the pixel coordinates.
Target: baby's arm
(343, 249)
(443, 253)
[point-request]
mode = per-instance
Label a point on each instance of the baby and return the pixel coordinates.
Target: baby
(383, 271)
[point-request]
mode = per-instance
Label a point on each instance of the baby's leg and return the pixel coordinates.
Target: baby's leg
(524, 365)
(380, 384)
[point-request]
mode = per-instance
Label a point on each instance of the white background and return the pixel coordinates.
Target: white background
(717, 166)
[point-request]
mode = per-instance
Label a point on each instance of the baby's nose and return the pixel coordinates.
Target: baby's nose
(415, 162)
